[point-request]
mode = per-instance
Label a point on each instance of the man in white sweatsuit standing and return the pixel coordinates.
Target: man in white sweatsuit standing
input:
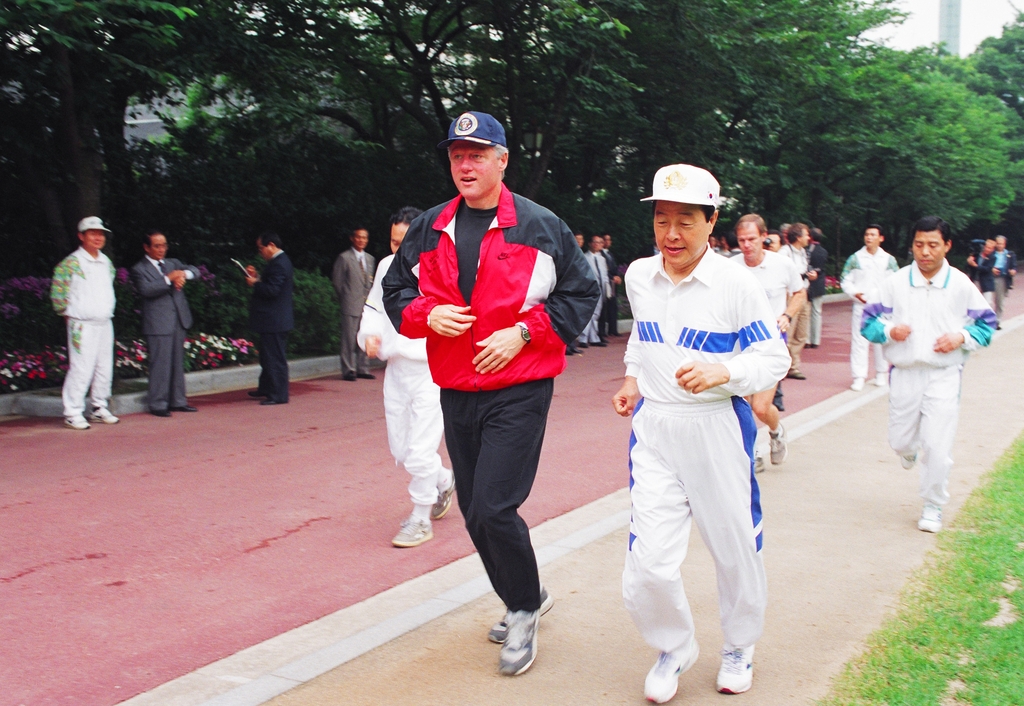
(82, 291)
(928, 318)
(863, 274)
(412, 403)
(704, 336)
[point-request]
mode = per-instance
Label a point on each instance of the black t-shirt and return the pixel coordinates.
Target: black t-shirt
(471, 224)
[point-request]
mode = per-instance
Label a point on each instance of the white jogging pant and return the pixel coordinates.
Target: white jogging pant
(90, 361)
(412, 408)
(924, 408)
(859, 348)
(694, 461)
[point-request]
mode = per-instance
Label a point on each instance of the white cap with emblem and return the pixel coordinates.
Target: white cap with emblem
(685, 183)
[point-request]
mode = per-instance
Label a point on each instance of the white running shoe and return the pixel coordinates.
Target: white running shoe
(858, 384)
(759, 463)
(413, 533)
(779, 448)
(78, 423)
(737, 672)
(908, 460)
(882, 380)
(931, 518)
(499, 631)
(663, 680)
(102, 414)
(520, 647)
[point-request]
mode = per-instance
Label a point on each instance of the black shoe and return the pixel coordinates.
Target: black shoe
(366, 376)
(796, 375)
(270, 401)
(600, 344)
(160, 412)
(257, 393)
(349, 377)
(811, 345)
(581, 344)
(186, 408)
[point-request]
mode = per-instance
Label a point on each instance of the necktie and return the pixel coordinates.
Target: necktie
(163, 266)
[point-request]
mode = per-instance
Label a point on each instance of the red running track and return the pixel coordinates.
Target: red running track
(136, 553)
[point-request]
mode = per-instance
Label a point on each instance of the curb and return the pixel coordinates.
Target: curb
(37, 403)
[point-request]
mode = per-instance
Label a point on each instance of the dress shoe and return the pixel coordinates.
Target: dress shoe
(269, 401)
(160, 412)
(581, 344)
(366, 376)
(186, 408)
(257, 393)
(811, 345)
(600, 344)
(349, 377)
(796, 375)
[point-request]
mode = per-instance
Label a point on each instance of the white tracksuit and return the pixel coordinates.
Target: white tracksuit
(412, 402)
(862, 274)
(82, 291)
(691, 456)
(924, 386)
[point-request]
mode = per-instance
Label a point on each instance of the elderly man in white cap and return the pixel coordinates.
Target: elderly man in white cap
(82, 291)
(704, 337)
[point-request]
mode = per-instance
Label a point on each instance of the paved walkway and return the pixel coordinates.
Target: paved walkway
(138, 553)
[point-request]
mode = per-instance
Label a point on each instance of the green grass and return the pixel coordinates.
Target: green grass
(937, 643)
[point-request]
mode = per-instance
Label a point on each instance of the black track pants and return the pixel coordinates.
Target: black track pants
(494, 440)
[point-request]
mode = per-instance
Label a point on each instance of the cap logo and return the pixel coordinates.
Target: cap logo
(676, 181)
(466, 124)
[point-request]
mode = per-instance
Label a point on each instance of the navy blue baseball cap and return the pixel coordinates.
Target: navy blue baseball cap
(475, 127)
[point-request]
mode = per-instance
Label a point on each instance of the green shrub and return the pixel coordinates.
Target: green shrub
(316, 315)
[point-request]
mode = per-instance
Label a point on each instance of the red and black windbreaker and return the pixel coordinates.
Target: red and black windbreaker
(530, 270)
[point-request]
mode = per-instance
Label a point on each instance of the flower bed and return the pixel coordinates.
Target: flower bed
(20, 371)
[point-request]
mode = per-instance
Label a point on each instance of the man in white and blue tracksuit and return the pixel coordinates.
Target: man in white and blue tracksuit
(928, 317)
(704, 337)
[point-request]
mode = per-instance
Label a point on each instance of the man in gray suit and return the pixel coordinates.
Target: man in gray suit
(159, 280)
(352, 277)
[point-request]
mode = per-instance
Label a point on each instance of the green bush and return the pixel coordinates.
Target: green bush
(316, 315)
(219, 304)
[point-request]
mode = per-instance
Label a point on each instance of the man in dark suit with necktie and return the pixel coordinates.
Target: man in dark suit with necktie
(160, 281)
(271, 316)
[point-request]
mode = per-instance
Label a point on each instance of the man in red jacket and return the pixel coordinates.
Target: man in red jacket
(498, 287)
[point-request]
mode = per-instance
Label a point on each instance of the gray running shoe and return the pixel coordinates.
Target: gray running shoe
(778, 445)
(520, 647)
(499, 631)
(413, 533)
(759, 464)
(443, 504)
(908, 460)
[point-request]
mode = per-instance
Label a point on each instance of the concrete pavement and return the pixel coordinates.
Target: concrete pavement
(841, 541)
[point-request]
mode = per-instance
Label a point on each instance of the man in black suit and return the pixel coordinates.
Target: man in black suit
(271, 316)
(160, 281)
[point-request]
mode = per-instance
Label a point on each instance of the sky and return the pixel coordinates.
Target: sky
(978, 19)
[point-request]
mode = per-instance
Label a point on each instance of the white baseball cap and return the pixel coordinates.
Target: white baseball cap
(92, 223)
(685, 183)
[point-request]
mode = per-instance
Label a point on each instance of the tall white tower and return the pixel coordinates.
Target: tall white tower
(949, 25)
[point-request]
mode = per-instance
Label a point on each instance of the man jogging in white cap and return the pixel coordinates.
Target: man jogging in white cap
(82, 291)
(498, 287)
(704, 336)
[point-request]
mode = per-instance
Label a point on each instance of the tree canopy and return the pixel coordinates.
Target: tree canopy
(313, 117)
